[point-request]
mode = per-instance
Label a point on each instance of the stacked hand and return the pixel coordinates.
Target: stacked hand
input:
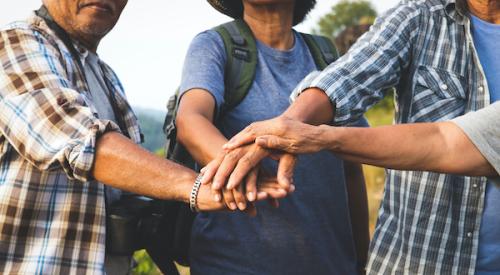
(283, 134)
(236, 176)
(238, 180)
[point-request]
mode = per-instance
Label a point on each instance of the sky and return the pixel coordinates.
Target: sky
(147, 46)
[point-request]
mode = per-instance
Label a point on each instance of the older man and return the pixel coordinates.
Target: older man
(443, 58)
(65, 128)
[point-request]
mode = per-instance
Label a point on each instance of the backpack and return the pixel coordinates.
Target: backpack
(241, 64)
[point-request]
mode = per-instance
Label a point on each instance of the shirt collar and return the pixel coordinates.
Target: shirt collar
(457, 10)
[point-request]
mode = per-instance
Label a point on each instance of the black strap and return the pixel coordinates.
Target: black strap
(322, 49)
(65, 38)
(241, 61)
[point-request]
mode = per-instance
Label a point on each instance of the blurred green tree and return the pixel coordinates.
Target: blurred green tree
(344, 24)
(346, 14)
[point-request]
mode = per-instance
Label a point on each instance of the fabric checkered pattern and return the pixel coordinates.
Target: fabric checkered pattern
(52, 214)
(428, 223)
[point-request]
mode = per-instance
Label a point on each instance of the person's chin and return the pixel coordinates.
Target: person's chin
(95, 30)
(96, 25)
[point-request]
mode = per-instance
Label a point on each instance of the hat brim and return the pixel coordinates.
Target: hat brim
(231, 8)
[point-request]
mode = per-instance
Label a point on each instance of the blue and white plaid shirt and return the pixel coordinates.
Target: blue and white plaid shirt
(428, 223)
(52, 214)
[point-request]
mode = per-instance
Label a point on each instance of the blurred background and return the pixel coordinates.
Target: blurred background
(148, 45)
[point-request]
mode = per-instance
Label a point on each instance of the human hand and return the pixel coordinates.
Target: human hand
(241, 165)
(204, 201)
(282, 133)
(267, 188)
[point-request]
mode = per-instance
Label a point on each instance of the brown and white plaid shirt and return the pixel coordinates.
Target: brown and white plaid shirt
(52, 213)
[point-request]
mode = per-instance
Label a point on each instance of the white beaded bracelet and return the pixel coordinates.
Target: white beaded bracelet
(193, 199)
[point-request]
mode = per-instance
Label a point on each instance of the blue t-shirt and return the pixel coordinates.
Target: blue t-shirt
(310, 233)
(486, 38)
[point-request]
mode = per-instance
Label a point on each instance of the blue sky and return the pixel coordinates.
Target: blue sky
(148, 45)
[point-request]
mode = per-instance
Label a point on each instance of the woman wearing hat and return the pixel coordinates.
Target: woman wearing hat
(311, 232)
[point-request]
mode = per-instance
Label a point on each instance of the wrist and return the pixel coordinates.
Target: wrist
(331, 137)
(183, 192)
(193, 196)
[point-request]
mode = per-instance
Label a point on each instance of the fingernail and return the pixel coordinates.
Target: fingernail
(230, 185)
(225, 146)
(242, 206)
(217, 197)
(251, 196)
(203, 169)
(262, 194)
(292, 188)
(232, 206)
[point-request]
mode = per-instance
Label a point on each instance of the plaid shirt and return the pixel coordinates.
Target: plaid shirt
(52, 213)
(428, 223)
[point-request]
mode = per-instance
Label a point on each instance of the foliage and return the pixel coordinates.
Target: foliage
(344, 24)
(145, 265)
(345, 14)
(151, 122)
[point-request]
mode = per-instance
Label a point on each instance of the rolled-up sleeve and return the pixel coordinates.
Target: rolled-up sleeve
(356, 81)
(42, 116)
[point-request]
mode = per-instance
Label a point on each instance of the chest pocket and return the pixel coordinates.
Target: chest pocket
(437, 95)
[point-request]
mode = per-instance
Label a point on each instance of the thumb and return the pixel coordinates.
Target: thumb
(271, 142)
(286, 166)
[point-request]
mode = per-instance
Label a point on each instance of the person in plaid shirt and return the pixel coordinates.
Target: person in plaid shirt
(443, 58)
(68, 137)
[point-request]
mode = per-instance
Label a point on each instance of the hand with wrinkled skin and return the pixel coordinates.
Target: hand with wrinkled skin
(281, 133)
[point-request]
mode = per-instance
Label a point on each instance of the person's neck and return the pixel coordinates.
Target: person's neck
(271, 24)
(486, 10)
(89, 43)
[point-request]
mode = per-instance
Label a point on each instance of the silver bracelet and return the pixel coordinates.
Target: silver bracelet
(193, 199)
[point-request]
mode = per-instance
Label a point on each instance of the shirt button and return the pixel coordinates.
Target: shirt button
(444, 87)
(475, 185)
(469, 234)
(480, 89)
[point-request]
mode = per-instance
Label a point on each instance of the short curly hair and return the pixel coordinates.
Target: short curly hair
(234, 8)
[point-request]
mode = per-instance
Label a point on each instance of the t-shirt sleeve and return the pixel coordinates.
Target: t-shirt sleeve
(204, 66)
(483, 129)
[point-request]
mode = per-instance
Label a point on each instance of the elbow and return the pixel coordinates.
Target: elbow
(182, 127)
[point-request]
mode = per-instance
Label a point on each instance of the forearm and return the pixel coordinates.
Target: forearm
(440, 147)
(312, 106)
(124, 165)
(200, 137)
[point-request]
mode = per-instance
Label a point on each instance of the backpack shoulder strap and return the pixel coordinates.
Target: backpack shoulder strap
(241, 61)
(322, 49)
